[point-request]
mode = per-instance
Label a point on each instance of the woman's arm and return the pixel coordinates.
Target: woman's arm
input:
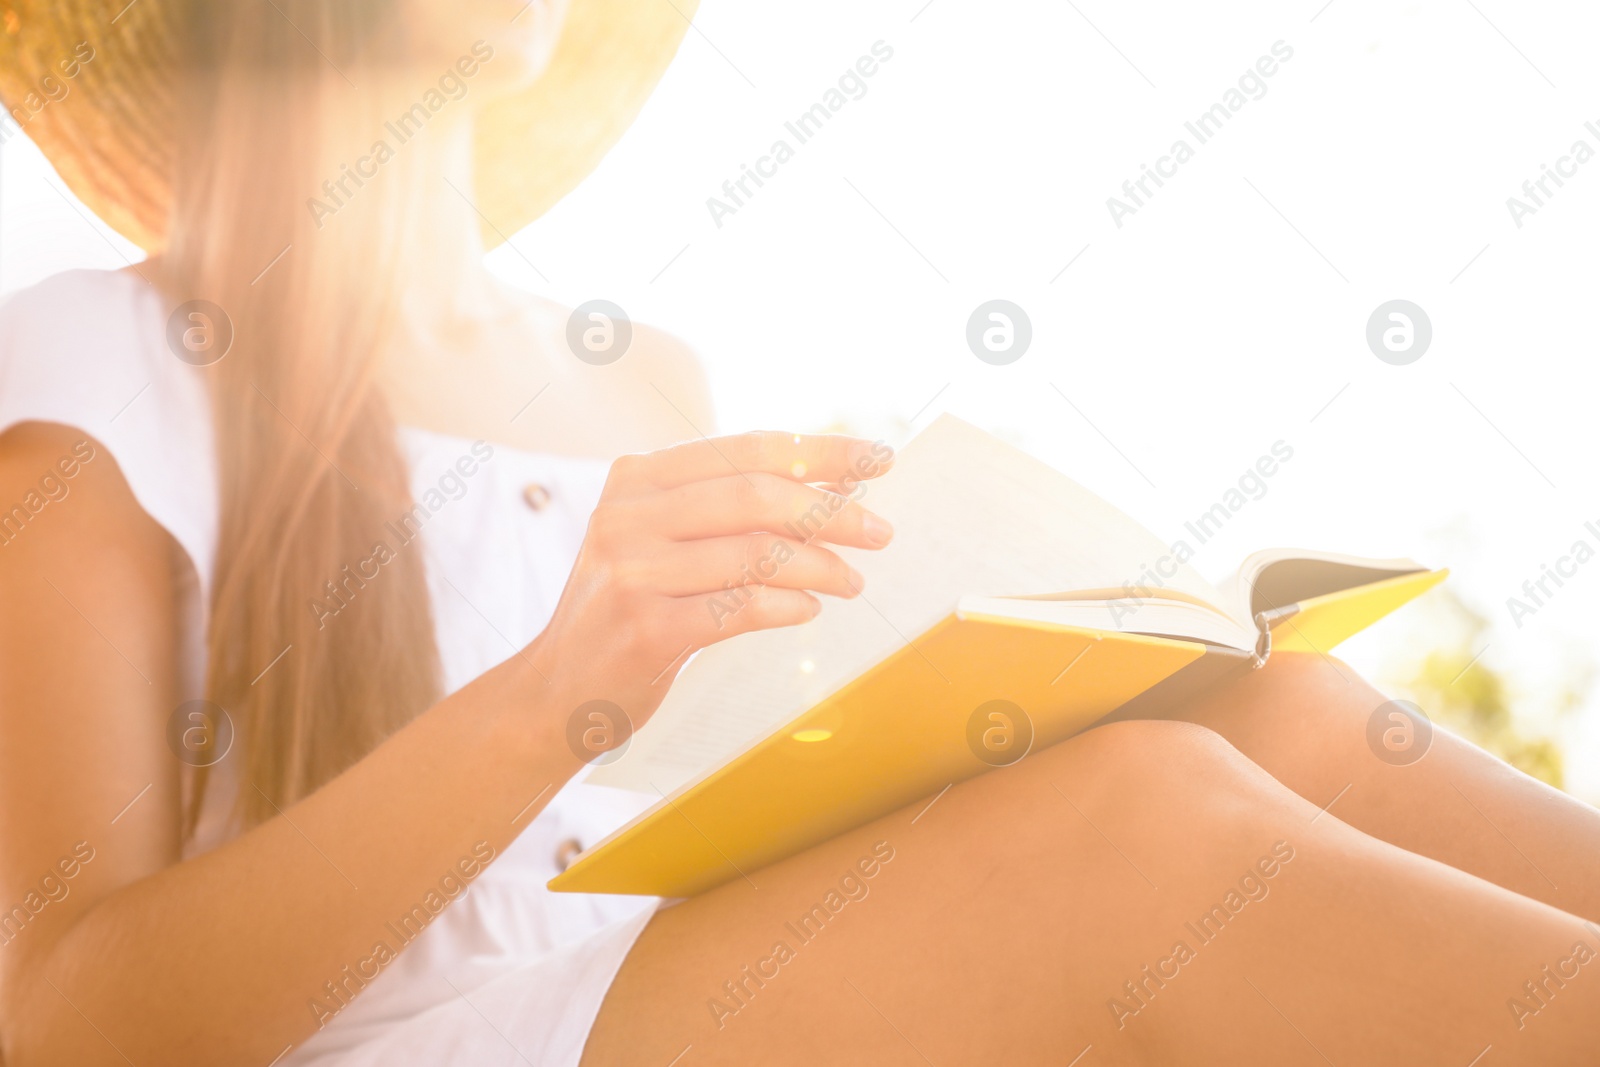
(146, 959)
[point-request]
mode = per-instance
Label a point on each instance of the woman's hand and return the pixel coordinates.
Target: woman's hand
(696, 543)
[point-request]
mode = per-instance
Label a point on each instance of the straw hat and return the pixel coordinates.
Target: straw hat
(110, 135)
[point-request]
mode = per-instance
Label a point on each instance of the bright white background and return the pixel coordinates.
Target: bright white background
(1227, 314)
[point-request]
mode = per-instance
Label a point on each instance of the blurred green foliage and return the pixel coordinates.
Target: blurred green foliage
(1456, 685)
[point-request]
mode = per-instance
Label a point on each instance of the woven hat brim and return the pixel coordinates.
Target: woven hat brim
(534, 148)
(106, 141)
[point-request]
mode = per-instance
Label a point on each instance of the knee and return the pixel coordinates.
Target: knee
(1299, 700)
(1306, 678)
(1163, 769)
(1139, 744)
(1147, 757)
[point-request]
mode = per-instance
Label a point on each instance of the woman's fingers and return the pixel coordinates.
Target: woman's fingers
(716, 564)
(795, 457)
(763, 502)
(710, 618)
(694, 544)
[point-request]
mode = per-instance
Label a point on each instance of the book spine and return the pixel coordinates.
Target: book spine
(1263, 649)
(1265, 621)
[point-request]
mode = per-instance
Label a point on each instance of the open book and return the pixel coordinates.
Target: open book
(1006, 582)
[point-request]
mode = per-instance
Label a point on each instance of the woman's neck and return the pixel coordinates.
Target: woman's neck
(449, 288)
(456, 322)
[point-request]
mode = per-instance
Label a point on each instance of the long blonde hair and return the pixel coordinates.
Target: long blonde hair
(309, 462)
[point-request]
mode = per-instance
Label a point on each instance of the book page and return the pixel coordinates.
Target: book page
(1180, 619)
(1301, 573)
(972, 517)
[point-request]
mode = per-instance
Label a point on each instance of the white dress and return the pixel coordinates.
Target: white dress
(510, 972)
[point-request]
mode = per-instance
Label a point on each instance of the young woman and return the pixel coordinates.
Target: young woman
(304, 575)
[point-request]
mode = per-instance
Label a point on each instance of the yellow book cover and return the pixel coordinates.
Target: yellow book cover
(1014, 609)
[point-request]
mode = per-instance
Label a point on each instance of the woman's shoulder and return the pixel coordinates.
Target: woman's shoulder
(100, 323)
(87, 350)
(671, 370)
(534, 384)
(653, 391)
(73, 297)
(71, 285)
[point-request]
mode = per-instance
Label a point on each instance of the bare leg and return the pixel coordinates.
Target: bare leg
(1304, 720)
(1015, 909)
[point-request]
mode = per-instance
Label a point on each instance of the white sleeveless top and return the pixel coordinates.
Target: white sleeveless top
(509, 971)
